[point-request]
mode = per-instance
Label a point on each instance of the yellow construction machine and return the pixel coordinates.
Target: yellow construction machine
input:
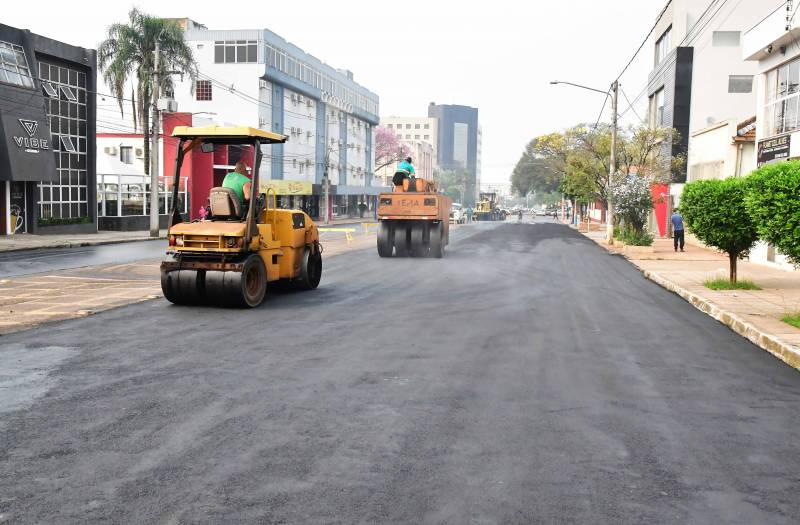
(414, 220)
(229, 259)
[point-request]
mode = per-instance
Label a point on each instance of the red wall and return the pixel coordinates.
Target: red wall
(198, 166)
(660, 193)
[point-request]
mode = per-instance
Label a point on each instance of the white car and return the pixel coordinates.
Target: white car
(457, 214)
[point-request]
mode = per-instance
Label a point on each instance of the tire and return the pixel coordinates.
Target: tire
(310, 270)
(249, 289)
(401, 240)
(419, 246)
(437, 240)
(385, 239)
(185, 287)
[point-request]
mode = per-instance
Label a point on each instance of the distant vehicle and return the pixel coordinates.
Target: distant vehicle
(457, 214)
(488, 209)
(541, 212)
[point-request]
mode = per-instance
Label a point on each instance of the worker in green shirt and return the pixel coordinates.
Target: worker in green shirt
(239, 182)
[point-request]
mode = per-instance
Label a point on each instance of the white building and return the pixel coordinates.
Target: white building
(420, 134)
(256, 78)
(772, 47)
(699, 82)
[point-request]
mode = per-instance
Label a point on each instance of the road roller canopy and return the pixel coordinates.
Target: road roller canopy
(228, 134)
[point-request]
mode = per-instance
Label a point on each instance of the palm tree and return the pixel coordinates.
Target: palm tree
(128, 55)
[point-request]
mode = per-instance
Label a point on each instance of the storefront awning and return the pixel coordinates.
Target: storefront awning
(26, 149)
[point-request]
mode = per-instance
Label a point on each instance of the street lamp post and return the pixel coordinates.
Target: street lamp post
(612, 164)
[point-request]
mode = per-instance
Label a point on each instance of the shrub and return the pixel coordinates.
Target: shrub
(715, 212)
(634, 237)
(632, 201)
(774, 205)
(52, 221)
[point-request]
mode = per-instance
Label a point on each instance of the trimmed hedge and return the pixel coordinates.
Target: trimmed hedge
(774, 205)
(715, 212)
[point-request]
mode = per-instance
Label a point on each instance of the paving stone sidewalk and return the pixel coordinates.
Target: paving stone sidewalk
(754, 314)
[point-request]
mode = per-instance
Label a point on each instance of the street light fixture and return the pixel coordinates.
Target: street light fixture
(613, 160)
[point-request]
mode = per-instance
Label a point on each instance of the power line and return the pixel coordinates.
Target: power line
(601, 110)
(658, 19)
(630, 105)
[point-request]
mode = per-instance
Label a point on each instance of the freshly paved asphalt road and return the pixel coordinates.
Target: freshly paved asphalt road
(527, 377)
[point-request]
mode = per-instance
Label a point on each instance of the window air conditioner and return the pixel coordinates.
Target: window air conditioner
(139, 153)
(110, 150)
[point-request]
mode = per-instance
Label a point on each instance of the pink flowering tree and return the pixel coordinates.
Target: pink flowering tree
(388, 148)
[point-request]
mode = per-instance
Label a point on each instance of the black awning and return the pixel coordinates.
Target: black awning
(26, 148)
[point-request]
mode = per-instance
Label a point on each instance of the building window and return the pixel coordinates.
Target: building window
(663, 45)
(14, 65)
(126, 154)
(235, 51)
(65, 106)
(416, 137)
(782, 90)
(408, 126)
(427, 126)
(740, 84)
(416, 126)
(725, 38)
(202, 90)
(657, 109)
(390, 126)
(426, 137)
(408, 137)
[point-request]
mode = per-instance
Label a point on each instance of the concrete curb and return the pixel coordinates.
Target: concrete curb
(787, 353)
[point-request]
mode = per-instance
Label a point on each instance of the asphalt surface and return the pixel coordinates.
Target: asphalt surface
(526, 377)
(28, 262)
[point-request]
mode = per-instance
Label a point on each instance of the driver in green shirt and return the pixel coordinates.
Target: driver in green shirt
(239, 182)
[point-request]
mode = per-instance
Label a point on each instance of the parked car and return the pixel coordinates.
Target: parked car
(457, 214)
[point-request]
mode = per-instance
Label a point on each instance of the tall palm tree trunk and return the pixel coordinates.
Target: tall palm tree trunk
(146, 132)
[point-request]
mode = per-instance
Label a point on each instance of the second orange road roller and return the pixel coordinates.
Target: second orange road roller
(414, 220)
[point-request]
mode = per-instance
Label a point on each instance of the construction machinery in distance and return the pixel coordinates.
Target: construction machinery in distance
(488, 208)
(229, 259)
(414, 220)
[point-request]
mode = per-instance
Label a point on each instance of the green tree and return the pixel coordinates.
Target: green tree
(715, 212)
(540, 168)
(453, 183)
(774, 205)
(127, 55)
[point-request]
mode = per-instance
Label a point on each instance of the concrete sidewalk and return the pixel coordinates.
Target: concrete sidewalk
(754, 314)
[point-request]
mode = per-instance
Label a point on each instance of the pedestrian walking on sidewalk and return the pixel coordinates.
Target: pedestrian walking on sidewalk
(677, 230)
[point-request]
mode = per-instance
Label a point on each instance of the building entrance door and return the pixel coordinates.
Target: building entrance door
(18, 211)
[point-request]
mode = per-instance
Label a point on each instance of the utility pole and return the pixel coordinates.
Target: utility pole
(154, 226)
(612, 164)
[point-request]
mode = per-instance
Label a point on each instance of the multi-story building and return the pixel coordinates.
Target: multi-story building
(420, 134)
(699, 79)
(771, 47)
(47, 116)
(256, 78)
(458, 143)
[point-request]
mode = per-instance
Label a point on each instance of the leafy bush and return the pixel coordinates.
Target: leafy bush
(715, 212)
(774, 205)
(633, 201)
(636, 238)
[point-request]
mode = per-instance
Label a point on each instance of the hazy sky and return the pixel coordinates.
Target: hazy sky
(498, 56)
